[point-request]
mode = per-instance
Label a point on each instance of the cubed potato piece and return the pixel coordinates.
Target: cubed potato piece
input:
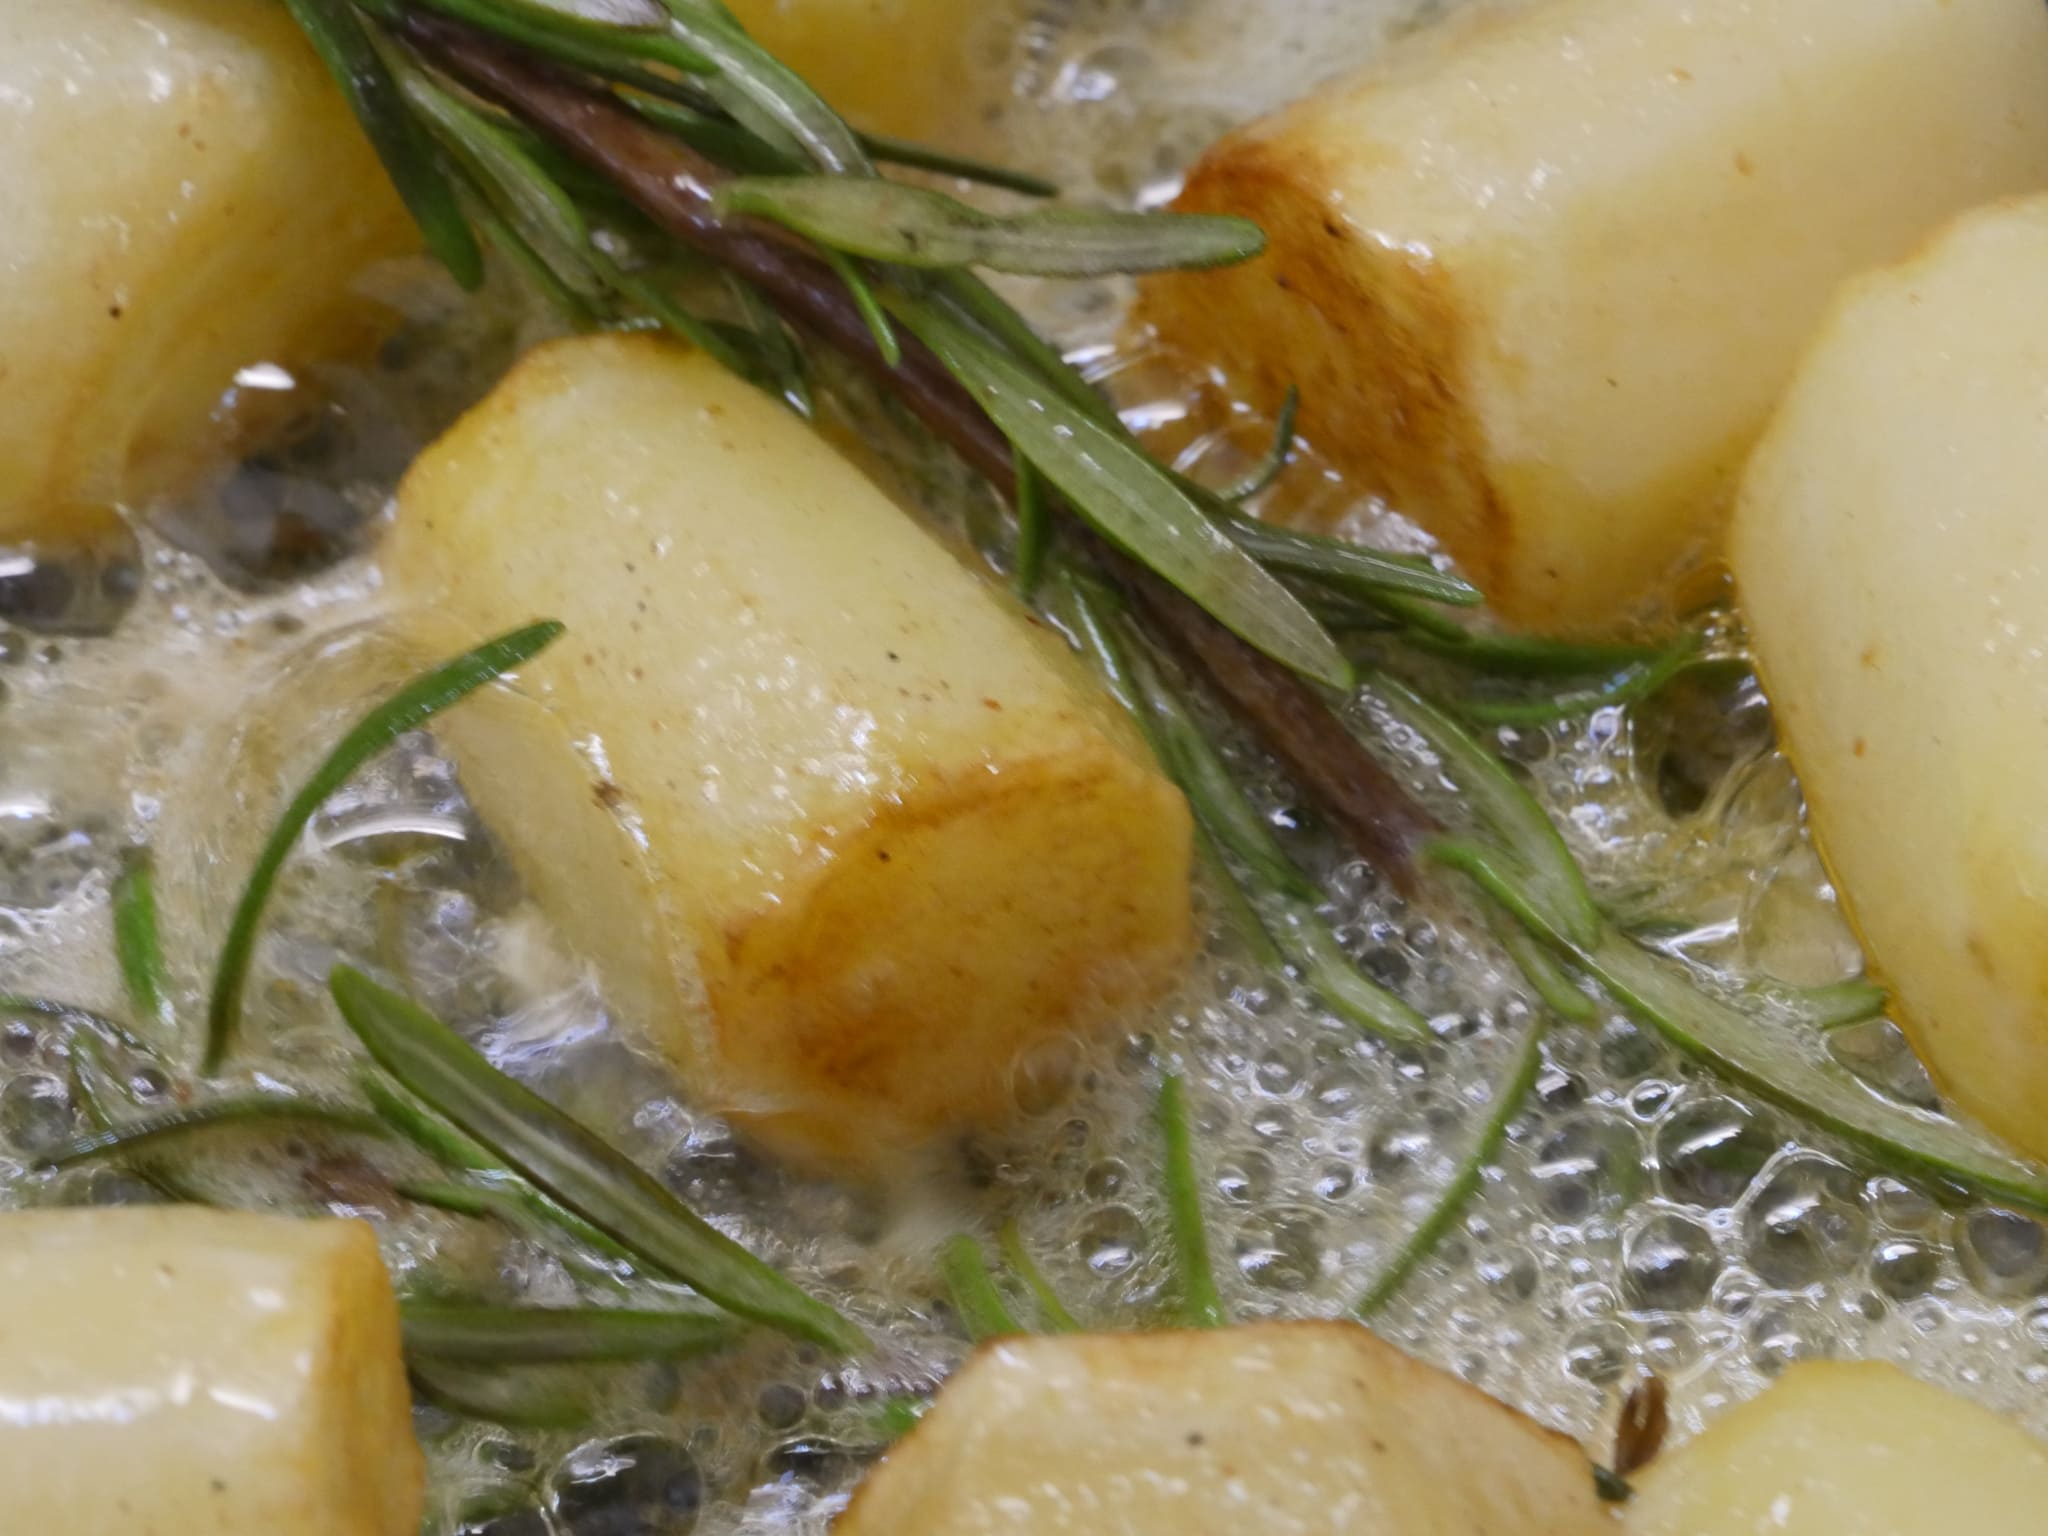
(1892, 559)
(892, 838)
(186, 1372)
(187, 196)
(1848, 1449)
(863, 55)
(1541, 280)
(1312, 1429)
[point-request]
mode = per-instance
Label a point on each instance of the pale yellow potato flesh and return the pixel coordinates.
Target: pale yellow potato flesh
(882, 63)
(187, 195)
(885, 838)
(1847, 1449)
(186, 1372)
(1540, 280)
(1891, 557)
(1285, 1429)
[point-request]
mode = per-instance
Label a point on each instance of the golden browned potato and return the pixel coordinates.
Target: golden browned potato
(187, 1372)
(1314, 1429)
(187, 196)
(1848, 1449)
(1541, 280)
(883, 838)
(1892, 560)
(876, 60)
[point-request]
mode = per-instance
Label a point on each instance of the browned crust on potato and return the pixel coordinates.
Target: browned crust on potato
(823, 1005)
(1377, 340)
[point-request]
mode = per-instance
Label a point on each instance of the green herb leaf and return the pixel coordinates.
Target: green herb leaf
(917, 227)
(1350, 570)
(1131, 500)
(927, 157)
(1773, 1061)
(1530, 655)
(602, 47)
(74, 1018)
(1200, 1304)
(481, 1335)
(516, 1205)
(1546, 978)
(764, 94)
(535, 1397)
(1278, 899)
(1638, 680)
(344, 46)
(1507, 809)
(171, 1126)
(138, 946)
(1509, 1094)
(573, 1165)
(412, 706)
(1052, 1312)
(1839, 1006)
(972, 1290)
(1268, 469)
(96, 1090)
(1034, 530)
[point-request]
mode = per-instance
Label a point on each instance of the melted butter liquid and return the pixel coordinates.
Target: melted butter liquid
(1643, 1215)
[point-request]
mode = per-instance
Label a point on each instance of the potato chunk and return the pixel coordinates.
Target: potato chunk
(195, 1373)
(1841, 1449)
(891, 839)
(1311, 1429)
(187, 195)
(1892, 559)
(1540, 280)
(862, 55)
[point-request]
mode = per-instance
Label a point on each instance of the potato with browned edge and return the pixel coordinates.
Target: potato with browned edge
(1841, 1448)
(1312, 1429)
(848, 834)
(188, 195)
(1540, 280)
(189, 1372)
(1891, 558)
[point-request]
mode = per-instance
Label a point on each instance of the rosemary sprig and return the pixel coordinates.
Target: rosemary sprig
(344, 46)
(412, 706)
(153, 1131)
(919, 228)
(972, 1290)
(138, 946)
(1053, 1315)
(491, 1189)
(483, 1335)
(1502, 806)
(576, 1167)
(1279, 898)
(1509, 1094)
(1753, 1052)
(1130, 498)
(1200, 1305)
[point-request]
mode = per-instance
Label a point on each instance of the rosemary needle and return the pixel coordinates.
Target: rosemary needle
(1508, 1097)
(1200, 1304)
(412, 706)
(1052, 1312)
(575, 1166)
(485, 1335)
(138, 945)
(170, 1126)
(972, 1290)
